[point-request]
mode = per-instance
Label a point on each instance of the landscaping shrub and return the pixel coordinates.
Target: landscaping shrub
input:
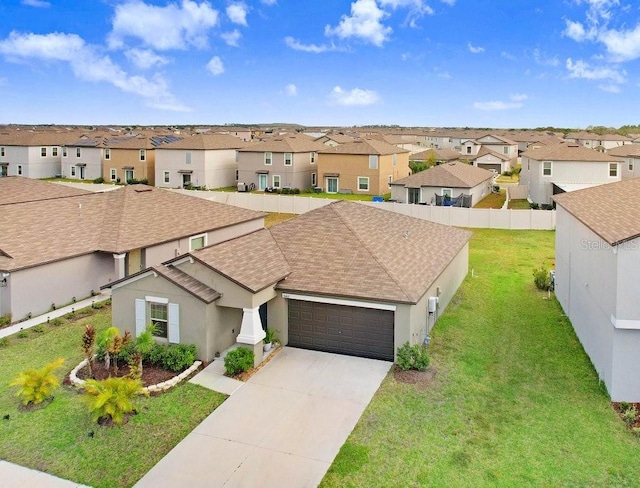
(23, 334)
(178, 357)
(39, 329)
(238, 360)
(412, 357)
(155, 355)
(99, 180)
(5, 320)
(56, 322)
(541, 278)
(112, 399)
(4, 342)
(36, 385)
(629, 414)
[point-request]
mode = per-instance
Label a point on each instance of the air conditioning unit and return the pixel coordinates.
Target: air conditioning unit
(242, 186)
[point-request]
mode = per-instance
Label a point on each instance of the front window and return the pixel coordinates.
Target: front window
(363, 183)
(158, 316)
(313, 157)
(64, 152)
(78, 152)
(613, 170)
(197, 242)
(505, 150)
(546, 168)
(267, 158)
(373, 161)
(276, 181)
(2, 151)
(288, 158)
(143, 154)
(631, 165)
(107, 154)
(19, 170)
(187, 157)
(237, 175)
(332, 185)
(43, 152)
(390, 179)
(447, 192)
(166, 176)
(468, 149)
(54, 151)
(113, 174)
(395, 160)
(314, 179)
(73, 170)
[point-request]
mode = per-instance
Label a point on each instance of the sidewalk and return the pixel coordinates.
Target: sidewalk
(14, 476)
(42, 319)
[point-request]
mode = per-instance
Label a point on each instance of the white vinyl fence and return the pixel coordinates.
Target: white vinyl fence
(460, 217)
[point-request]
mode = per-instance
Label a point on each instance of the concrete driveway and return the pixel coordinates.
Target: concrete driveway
(284, 427)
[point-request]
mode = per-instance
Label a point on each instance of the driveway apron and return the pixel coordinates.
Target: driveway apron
(283, 427)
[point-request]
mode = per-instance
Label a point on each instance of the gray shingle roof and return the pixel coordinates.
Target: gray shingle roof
(610, 210)
(207, 141)
(628, 150)
(448, 175)
(568, 152)
(285, 143)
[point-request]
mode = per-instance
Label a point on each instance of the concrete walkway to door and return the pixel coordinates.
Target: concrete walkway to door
(283, 427)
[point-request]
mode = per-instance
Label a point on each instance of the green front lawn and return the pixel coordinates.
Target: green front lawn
(57, 438)
(515, 400)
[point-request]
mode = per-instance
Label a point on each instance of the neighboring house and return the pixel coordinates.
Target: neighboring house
(200, 160)
(288, 161)
(396, 141)
(501, 145)
(449, 180)
(32, 154)
(493, 161)
(367, 166)
(132, 157)
(82, 159)
(333, 139)
(67, 243)
(558, 168)
(597, 267)
(631, 155)
(598, 142)
(470, 148)
(347, 278)
(438, 156)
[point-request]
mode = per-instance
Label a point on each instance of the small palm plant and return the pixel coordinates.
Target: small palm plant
(142, 346)
(36, 385)
(112, 398)
(89, 345)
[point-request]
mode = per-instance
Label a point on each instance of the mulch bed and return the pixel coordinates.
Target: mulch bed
(414, 377)
(151, 375)
(618, 408)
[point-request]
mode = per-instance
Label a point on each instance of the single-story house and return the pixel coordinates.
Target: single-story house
(597, 268)
(449, 180)
(64, 244)
(347, 278)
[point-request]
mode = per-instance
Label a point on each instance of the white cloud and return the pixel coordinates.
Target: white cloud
(174, 26)
(237, 13)
(610, 88)
(543, 60)
(474, 49)
(231, 38)
(583, 70)
(444, 75)
(576, 31)
(269, 2)
(515, 101)
(36, 3)
(451, 3)
(508, 56)
(215, 66)
(87, 64)
(365, 23)
(354, 97)
(417, 9)
(308, 48)
(622, 45)
(145, 58)
(291, 90)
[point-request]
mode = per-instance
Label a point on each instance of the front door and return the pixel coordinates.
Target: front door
(128, 175)
(414, 195)
(4, 170)
(263, 315)
(262, 182)
(186, 180)
(82, 172)
(332, 185)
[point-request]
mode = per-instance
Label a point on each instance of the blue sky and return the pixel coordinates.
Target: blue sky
(497, 63)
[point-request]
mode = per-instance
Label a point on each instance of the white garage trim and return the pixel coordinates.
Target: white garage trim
(625, 323)
(340, 301)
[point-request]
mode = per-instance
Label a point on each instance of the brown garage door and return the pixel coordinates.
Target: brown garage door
(355, 331)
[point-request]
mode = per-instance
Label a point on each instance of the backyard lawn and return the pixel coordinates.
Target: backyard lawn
(332, 196)
(61, 438)
(493, 200)
(514, 402)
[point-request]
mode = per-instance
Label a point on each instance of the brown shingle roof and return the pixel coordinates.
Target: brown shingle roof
(610, 210)
(442, 154)
(187, 283)
(286, 143)
(484, 151)
(366, 146)
(353, 250)
(207, 141)
(17, 189)
(37, 138)
(568, 152)
(253, 261)
(628, 150)
(448, 175)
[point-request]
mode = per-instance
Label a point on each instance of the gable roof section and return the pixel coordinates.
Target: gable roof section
(448, 175)
(568, 152)
(442, 154)
(610, 210)
(485, 151)
(30, 138)
(627, 150)
(187, 283)
(365, 146)
(353, 250)
(18, 189)
(207, 142)
(285, 143)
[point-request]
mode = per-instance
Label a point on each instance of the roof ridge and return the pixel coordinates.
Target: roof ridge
(375, 258)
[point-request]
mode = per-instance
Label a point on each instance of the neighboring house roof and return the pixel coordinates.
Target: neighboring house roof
(448, 175)
(253, 261)
(627, 150)
(18, 189)
(611, 210)
(207, 142)
(131, 217)
(350, 249)
(285, 144)
(568, 152)
(365, 146)
(485, 151)
(140, 141)
(36, 138)
(336, 137)
(502, 139)
(442, 154)
(390, 138)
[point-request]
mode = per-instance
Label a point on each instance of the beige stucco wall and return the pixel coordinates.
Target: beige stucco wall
(119, 158)
(352, 166)
(298, 175)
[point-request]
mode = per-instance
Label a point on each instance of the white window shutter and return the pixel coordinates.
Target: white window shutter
(141, 311)
(174, 323)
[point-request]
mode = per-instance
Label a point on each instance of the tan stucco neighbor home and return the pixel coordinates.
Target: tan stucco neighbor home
(346, 278)
(445, 180)
(57, 243)
(597, 269)
(366, 166)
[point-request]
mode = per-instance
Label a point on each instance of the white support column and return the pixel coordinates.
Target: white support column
(251, 329)
(119, 265)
